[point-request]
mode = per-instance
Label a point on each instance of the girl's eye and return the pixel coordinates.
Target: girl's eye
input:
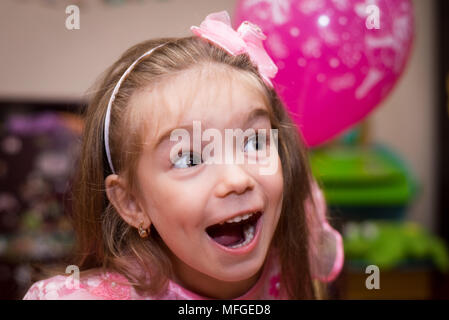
(187, 160)
(254, 143)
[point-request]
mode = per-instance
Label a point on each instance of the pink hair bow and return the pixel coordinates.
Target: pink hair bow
(248, 38)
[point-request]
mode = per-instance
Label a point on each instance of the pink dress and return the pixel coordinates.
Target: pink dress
(114, 286)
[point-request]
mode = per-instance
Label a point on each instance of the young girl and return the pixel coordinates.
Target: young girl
(155, 220)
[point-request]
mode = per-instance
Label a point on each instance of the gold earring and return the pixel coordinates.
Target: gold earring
(143, 233)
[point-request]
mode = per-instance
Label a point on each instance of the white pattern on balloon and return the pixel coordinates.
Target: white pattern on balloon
(341, 5)
(311, 48)
(343, 82)
(279, 49)
(361, 8)
(279, 10)
(373, 77)
(308, 7)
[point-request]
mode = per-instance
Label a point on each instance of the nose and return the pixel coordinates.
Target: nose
(233, 178)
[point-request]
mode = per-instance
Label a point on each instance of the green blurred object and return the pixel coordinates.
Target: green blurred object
(391, 244)
(360, 176)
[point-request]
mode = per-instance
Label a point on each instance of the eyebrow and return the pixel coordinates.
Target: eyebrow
(252, 116)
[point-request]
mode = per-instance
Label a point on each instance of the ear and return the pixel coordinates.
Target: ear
(125, 203)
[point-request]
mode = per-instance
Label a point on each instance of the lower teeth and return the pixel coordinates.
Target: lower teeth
(249, 235)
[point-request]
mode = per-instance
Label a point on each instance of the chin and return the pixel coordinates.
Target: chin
(241, 270)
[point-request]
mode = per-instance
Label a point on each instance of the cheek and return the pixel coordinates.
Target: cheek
(172, 205)
(273, 184)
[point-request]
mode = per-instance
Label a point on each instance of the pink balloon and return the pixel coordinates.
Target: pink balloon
(337, 59)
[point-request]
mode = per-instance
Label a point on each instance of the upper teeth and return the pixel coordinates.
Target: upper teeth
(239, 218)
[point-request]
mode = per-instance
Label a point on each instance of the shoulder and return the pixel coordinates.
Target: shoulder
(93, 286)
(56, 288)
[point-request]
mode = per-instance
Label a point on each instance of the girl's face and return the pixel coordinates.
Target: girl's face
(188, 203)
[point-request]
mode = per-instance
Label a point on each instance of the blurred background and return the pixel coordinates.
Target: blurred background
(385, 177)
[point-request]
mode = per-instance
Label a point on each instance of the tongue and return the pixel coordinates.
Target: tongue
(227, 234)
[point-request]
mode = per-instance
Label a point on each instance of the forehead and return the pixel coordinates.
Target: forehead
(213, 94)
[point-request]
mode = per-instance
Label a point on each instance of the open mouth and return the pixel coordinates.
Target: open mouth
(235, 233)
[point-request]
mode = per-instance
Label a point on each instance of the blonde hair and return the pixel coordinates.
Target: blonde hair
(104, 239)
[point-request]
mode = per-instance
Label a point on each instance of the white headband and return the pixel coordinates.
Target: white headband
(107, 118)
